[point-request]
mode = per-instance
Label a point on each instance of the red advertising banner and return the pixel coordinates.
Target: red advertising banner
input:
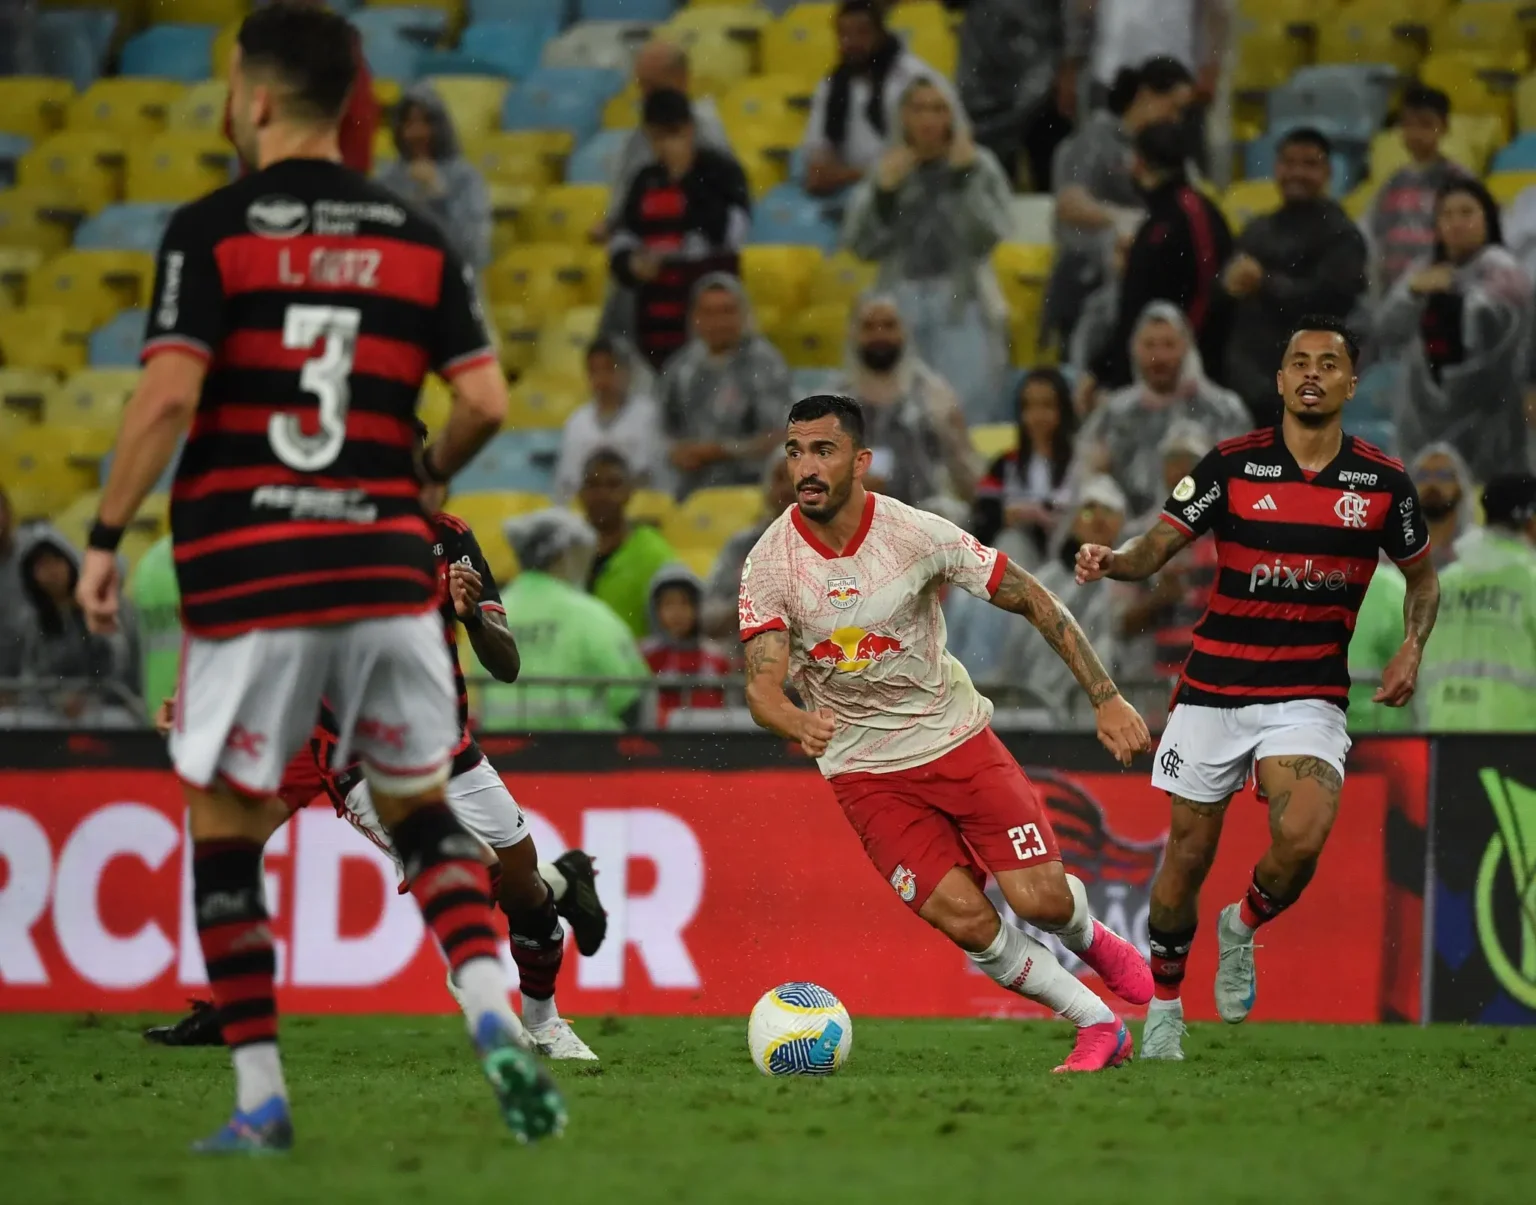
(719, 885)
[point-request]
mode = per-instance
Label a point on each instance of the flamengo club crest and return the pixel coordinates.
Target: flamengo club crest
(1351, 509)
(843, 592)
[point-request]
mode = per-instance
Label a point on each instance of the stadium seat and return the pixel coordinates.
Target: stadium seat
(421, 23)
(94, 285)
(117, 344)
(814, 337)
(841, 278)
(718, 58)
(1374, 392)
(991, 440)
(16, 265)
(566, 212)
(1248, 199)
(12, 148)
(130, 108)
(1365, 38)
(513, 460)
(509, 204)
(129, 227)
(1518, 156)
(745, 20)
(553, 11)
(39, 472)
(597, 159)
(537, 401)
(179, 166)
(1265, 58)
(33, 105)
(94, 397)
(1490, 27)
(1342, 107)
(176, 52)
(522, 156)
(1464, 76)
(485, 513)
(200, 12)
(516, 328)
(562, 98)
(814, 380)
(508, 48)
(764, 98)
(548, 278)
(779, 277)
(710, 517)
(608, 44)
(24, 394)
(40, 219)
(789, 215)
(73, 43)
(473, 102)
(86, 164)
(1506, 186)
(624, 10)
(200, 107)
(923, 26)
(802, 43)
(655, 507)
(562, 345)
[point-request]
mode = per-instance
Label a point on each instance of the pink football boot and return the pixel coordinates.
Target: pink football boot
(1099, 1047)
(1120, 964)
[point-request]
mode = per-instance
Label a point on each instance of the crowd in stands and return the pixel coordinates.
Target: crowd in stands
(993, 222)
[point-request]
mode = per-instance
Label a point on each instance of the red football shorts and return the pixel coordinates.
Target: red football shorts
(302, 781)
(972, 808)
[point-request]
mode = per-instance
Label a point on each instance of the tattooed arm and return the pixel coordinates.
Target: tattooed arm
(1023, 595)
(1420, 605)
(1134, 560)
(767, 667)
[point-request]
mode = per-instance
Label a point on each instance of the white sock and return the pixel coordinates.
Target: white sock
(539, 1012)
(1158, 1005)
(1077, 933)
(1021, 964)
(551, 875)
(483, 989)
(258, 1075)
(1237, 926)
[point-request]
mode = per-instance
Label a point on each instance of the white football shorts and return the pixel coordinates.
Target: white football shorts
(1208, 753)
(246, 705)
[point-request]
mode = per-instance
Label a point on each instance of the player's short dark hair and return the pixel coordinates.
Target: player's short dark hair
(1333, 326)
(605, 458)
(1162, 74)
(666, 109)
(1509, 500)
(849, 414)
(310, 50)
(1306, 136)
(1163, 146)
(863, 8)
(1428, 100)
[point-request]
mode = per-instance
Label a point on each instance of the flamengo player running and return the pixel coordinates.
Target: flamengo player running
(294, 317)
(1300, 513)
(842, 593)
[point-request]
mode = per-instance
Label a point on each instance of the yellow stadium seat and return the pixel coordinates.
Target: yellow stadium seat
(39, 219)
(517, 336)
(622, 112)
(1490, 27)
(485, 513)
(1266, 57)
(25, 390)
(223, 48)
(33, 105)
(717, 58)
(841, 278)
(94, 285)
(1462, 75)
(1506, 186)
(814, 337)
(566, 213)
(1248, 199)
(473, 101)
(434, 404)
(745, 20)
(778, 276)
(200, 12)
(763, 98)
(926, 35)
(75, 520)
(540, 403)
(86, 163)
(1365, 38)
(42, 472)
(522, 156)
(651, 506)
(1480, 135)
(511, 205)
(765, 170)
(16, 264)
(1022, 270)
(776, 136)
(1525, 104)
(1285, 13)
(1357, 203)
(802, 43)
(710, 517)
(384, 150)
(93, 397)
(43, 336)
(200, 107)
(387, 93)
(128, 107)
(178, 166)
(548, 277)
(991, 440)
(562, 346)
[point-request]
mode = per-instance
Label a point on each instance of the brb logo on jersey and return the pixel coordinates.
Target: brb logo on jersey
(849, 650)
(1295, 577)
(843, 592)
(1351, 508)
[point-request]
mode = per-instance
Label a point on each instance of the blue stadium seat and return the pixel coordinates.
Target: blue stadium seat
(561, 98)
(1518, 156)
(1380, 431)
(594, 160)
(73, 43)
(557, 11)
(12, 148)
(786, 214)
(170, 51)
(624, 10)
(1373, 82)
(423, 25)
(813, 380)
(513, 460)
(117, 344)
(135, 226)
(390, 57)
(1259, 163)
(1343, 106)
(510, 48)
(1373, 396)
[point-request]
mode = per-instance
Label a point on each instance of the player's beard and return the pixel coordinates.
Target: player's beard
(832, 501)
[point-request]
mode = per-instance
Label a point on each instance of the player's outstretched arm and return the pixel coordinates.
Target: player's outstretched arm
(1134, 560)
(1121, 730)
(1421, 603)
(495, 647)
(767, 667)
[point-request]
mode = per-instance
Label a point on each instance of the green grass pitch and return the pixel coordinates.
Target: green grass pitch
(392, 1109)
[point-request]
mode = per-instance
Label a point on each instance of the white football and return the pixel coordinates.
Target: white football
(799, 1029)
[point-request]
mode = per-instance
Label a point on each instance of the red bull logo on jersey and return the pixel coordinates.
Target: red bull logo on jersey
(849, 650)
(843, 592)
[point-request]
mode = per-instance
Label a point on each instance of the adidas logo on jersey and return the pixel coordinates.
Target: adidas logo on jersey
(1265, 503)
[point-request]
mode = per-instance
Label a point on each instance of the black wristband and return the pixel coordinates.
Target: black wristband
(430, 471)
(104, 538)
(475, 620)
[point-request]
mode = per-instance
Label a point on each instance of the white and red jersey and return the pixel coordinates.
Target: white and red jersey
(866, 631)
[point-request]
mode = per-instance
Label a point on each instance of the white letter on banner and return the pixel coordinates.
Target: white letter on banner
(101, 957)
(654, 923)
(322, 957)
(28, 860)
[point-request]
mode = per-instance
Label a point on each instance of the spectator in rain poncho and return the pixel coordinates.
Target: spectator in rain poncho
(1122, 435)
(1465, 315)
(1447, 495)
(930, 214)
(913, 423)
(433, 175)
(725, 393)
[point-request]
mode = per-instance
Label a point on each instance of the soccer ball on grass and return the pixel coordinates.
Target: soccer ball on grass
(799, 1029)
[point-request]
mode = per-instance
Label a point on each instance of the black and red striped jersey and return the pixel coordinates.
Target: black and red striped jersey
(456, 544)
(319, 303)
(1295, 552)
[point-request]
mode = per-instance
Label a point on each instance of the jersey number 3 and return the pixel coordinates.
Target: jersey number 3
(326, 376)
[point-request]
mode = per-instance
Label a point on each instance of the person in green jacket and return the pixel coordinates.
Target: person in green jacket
(1479, 667)
(1378, 636)
(628, 554)
(563, 633)
(157, 599)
